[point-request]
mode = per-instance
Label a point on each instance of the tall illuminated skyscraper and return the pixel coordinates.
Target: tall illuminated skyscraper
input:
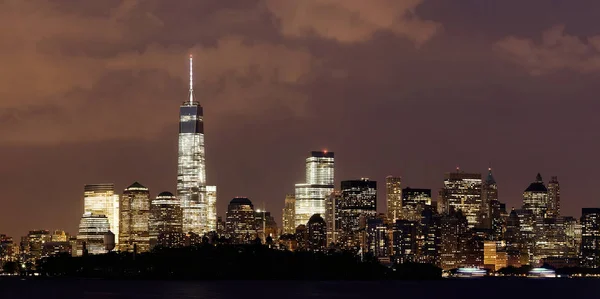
(462, 191)
(199, 212)
(357, 205)
(489, 197)
(166, 220)
(135, 216)
(535, 198)
(310, 196)
(553, 197)
(289, 214)
(393, 195)
(100, 199)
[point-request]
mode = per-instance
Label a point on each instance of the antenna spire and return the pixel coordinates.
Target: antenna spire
(191, 80)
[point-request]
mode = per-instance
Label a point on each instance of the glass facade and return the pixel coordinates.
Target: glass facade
(462, 191)
(100, 199)
(240, 224)
(590, 237)
(393, 188)
(358, 204)
(211, 204)
(289, 212)
(414, 202)
(553, 197)
(92, 230)
(310, 196)
(166, 221)
(535, 198)
(135, 216)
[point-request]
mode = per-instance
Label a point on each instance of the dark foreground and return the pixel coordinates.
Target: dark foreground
(488, 288)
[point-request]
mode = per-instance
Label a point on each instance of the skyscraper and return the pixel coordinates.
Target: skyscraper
(535, 198)
(166, 220)
(357, 205)
(310, 196)
(317, 239)
(240, 223)
(332, 218)
(489, 197)
(135, 216)
(553, 197)
(100, 199)
(590, 237)
(393, 197)
(92, 234)
(198, 211)
(462, 191)
(414, 202)
(289, 209)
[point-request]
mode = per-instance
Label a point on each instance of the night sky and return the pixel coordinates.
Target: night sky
(90, 92)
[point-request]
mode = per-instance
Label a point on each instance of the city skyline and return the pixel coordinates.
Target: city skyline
(81, 108)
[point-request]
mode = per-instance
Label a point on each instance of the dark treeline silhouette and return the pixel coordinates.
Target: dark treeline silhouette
(231, 262)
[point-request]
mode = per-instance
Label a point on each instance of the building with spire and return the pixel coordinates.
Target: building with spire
(134, 219)
(310, 196)
(198, 202)
(489, 197)
(535, 198)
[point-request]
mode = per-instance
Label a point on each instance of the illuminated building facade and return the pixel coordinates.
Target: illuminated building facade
(414, 202)
(393, 197)
(550, 239)
(8, 250)
(573, 235)
(317, 234)
(404, 241)
(166, 221)
(100, 199)
(590, 237)
(265, 225)
(535, 198)
(332, 216)
(378, 242)
(92, 232)
(310, 196)
(240, 224)
(289, 209)
(199, 209)
(453, 228)
(489, 198)
(135, 218)
(462, 191)
(553, 197)
(33, 244)
(428, 236)
(358, 202)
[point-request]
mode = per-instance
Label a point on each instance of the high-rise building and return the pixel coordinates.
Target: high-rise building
(378, 242)
(166, 221)
(289, 208)
(393, 197)
(462, 191)
(93, 230)
(553, 197)
(33, 245)
(332, 218)
(199, 210)
(414, 202)
(265, 225)
(550, 239)
(310, 196)
(317, 237)
(358, 202)
(240, 223)
(100, 199)
(535, 198)
(590, 237)
(453, 251)
(135, 217)
(405, 241)
(489, 197)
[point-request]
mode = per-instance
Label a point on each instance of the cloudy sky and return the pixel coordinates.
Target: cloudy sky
(90, 90)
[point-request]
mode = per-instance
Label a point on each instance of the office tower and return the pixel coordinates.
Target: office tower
(8, 250)
(289, 208)
(573, 235)
(512, 235)
(590, 237)
(199, 210)
(553, 197)
(59, 236)
(393, 196)
(498, 215)
(301, 235)
(489, 197)
(428, 236)
(550, 239)
(92, 232)
(378, 243)
(535, 198)
(453, 228)
(166, 221)
(404, 241)
(414, 202)
(332, 218)
(134, 219)
(358, 202)
(310, 196)
(240, 223)
(527, 231)
(100, 199)
(265, 225)
(32, 245)
(211, 212)
(317, 234)
(462, 192)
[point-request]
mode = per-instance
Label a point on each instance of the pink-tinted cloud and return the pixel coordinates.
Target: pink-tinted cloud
(557, 51)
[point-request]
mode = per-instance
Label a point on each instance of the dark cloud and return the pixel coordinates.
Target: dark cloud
(90, 92)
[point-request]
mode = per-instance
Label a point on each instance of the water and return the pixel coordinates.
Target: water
(488, 288)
